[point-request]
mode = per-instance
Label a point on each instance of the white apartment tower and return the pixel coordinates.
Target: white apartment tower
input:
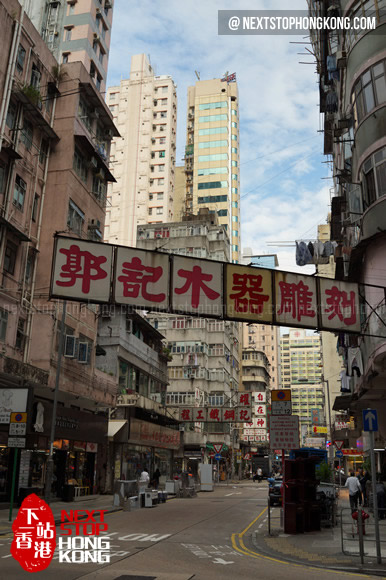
(144, 108)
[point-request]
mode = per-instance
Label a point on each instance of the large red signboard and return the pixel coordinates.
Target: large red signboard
(102, 273)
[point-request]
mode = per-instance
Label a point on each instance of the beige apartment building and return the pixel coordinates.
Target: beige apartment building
(212, 155)
(144, 109)
(301, 371)
(76, 30)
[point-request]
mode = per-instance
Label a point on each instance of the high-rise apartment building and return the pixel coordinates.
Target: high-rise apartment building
(301, 371)
(144, 108)
(204, 368)
(263, 337)
(77, 30)
(212, 155)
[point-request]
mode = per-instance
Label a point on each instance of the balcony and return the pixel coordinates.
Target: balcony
(31, 99)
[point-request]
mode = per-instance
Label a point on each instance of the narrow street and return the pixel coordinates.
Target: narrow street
(206, 537)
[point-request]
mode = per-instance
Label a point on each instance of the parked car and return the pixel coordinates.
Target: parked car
(274, 493)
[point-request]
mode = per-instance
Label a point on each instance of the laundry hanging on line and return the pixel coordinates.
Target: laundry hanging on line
(317, 252)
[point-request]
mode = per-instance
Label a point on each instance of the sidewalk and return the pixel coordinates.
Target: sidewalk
(95, 502)
(322, 549)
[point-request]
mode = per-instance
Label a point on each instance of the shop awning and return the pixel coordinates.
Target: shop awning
(115, 426)
(342, 403)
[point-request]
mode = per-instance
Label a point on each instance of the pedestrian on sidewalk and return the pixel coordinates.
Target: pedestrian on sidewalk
(381, 498)
(364, 476)
(354, 490)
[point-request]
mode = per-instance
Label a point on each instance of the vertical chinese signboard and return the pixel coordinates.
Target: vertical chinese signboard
(94, 272)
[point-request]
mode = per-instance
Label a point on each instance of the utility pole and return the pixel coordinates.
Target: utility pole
(50, 459)
(330, 449)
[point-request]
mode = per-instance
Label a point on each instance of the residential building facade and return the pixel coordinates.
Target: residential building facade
(351, 72)
(144, 108)
(76, 31)
(212, 155)
(48, 176)
(301, 371)
(205, 365)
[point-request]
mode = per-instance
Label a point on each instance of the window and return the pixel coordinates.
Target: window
(236, 249)
(222, 212)
(159, 210)
(214, 131)
(213, 199)
(368, 8)
(234, 163)
(75, 218)
(3, 324)
(10, 257)
(234, 112)
(11, 115)
(101, 55)
(212, 171)
(35, 207)
(160, 196)
(79, 165)
(374, 177)
(19, 192)
(150, 212)
(67, 34)
(98, 82)
(20, 59)
(212, 118)
(161, 168)
(20, 334)
(235, 234)
(216, 157)
(99, 188)
(65, 57)
(161, 153)
(3, 173)
(163, 114)
(43, 153)
(208, 144)
(164, 89)
(162, 140)
(234, 150)
(234, 137)
(212, 185)
(235, 218)
(234, 124)
(234, 176)
(27, 134)
(161, 181)
(35, 77)
(218, 105)
(234, 190)
(369, 91)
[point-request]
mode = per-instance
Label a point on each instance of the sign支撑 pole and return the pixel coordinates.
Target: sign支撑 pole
(13, 483)
(375, 499)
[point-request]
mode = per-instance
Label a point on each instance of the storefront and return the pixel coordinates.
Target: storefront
(79, 449)
(149, 446)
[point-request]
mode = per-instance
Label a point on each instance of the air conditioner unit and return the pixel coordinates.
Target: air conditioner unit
(69, 346)
(101, 173)
(83, 352)
(96, 36)
(153, 139)
(105, 311)
(94, 223)
(94, 162)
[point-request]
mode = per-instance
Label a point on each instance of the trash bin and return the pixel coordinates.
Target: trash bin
(68, 492)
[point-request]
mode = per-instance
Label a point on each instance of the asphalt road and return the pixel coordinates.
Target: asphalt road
(206, 537)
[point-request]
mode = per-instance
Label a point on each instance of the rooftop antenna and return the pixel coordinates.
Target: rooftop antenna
(197, 75)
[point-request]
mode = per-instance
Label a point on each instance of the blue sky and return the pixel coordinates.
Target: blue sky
(283, 193)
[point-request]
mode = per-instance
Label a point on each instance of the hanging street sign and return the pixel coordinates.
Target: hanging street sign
(16, 442)
(218, 456)
(88, 271)
(281, 408)
(284, 432)
(281, 395)
(17, 429)
(18, 418)
(339, 454)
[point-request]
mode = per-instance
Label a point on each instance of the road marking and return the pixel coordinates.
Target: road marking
(247, 552)
(234, 493)
(143, 537)
(221, 561)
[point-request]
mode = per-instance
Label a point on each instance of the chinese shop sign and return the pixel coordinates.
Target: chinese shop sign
(215, 414)
(102, 273)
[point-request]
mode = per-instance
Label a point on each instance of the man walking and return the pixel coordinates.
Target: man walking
(354, 490)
